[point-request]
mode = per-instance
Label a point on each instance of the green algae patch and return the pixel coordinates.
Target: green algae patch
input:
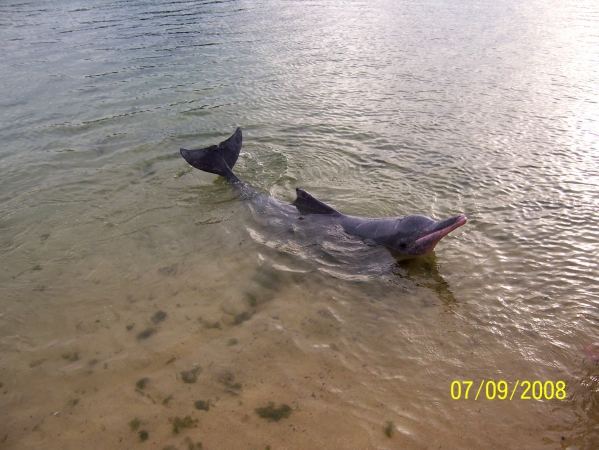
(389, 429)
(191, 446)
(144, 435)
(186, 422)
(273, 414)
(134, 424)
(36, 362)
(252, 300)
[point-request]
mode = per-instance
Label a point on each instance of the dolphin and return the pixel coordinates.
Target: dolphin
(407, 236)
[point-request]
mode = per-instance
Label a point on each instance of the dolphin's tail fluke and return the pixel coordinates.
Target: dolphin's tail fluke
(218, 159)
(311, 205)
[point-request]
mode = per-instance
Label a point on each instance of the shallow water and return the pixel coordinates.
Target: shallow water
(378, 108)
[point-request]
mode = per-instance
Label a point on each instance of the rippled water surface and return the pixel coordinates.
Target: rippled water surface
(133, 286)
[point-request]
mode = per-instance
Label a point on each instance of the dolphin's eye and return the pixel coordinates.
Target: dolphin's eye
(402, 245)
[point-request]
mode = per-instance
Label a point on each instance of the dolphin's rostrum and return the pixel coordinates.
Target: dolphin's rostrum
(413, 235)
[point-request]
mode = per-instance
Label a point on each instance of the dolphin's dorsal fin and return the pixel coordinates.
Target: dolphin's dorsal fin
(217, 159)
(310, 205)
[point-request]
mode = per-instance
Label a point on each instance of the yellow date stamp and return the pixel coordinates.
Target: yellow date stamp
(501, 390)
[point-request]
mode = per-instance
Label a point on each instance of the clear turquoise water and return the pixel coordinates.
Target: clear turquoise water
(379, 108)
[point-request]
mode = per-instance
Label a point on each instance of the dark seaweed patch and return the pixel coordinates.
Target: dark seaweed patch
(169, 270)
(159, 317)
(213, 325)
(203, 405)
(227, 378)
(190, 376)
(242, 317)
(274, 414)
(141, 384)
(71, 356)
(144, 435)
(146, 333)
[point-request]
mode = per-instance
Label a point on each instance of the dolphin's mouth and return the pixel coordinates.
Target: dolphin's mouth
(445, 227)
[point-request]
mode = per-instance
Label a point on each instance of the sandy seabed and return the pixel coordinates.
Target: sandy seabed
(331, 368)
